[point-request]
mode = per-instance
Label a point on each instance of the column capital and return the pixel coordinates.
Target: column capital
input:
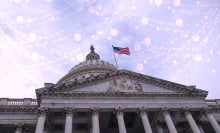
(165, 110)
(186, 110)
(42, 111)
(69, 110)
(142, 110)
(119, 111)
(94, 110)
(207, 110)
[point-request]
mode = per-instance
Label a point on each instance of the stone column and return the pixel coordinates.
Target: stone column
(169, 121)
(212, 121)
(18, 128)
(120, 118)
(95, 121)
(41, 120)
(69, 120)
(191, 121)
(145, 121)
(159, 127)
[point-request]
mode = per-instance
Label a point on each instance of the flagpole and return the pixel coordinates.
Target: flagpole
(115, 58)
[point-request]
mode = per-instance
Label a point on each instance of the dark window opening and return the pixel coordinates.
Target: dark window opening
(82, 126)
(58, 127)
(56, 114)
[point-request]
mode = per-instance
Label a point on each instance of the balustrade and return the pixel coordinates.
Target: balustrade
(18, 102)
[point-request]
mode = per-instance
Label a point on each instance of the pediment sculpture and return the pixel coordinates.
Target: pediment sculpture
(124, 85)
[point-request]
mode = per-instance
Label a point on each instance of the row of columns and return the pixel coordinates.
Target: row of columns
(121, 124)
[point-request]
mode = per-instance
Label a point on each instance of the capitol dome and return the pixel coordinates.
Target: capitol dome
(91, 67)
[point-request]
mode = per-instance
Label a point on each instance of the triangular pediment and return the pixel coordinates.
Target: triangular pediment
(121, 84)
(122, 81)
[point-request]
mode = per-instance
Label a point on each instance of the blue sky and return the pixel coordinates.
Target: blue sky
(176, 40)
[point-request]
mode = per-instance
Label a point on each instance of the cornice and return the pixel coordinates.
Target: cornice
(18, 109)
(117, 94)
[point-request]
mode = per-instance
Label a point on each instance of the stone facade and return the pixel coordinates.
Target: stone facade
(95, 97)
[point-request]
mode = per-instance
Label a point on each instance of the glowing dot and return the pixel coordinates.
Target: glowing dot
(206, 17)
(176, 2)
(114, 32)
(32, 36)
(93, 36)
(139, 67)
(213, 71)
(20, 19)
(17, 1)
(134, 7)
(109, 38)
(175, 62)
(179, 22)
(144, 21)
(211, 51)
(208, 60)
(151, 2)
(158, 2)
(52, 18)
(99, 33)
(48, 0)
(195, 38)
(35, 56)
(77, 37)
(147, 40)
(100, 8)
(188, 55)
(198, 57)
(137, 47)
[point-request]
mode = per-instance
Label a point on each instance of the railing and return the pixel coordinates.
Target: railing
(18, 102)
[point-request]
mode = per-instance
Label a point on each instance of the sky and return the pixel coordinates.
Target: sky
(175, 40)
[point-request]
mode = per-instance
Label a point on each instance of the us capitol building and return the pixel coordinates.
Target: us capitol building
(95, 97)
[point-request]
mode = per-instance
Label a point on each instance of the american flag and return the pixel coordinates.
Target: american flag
(119, 50)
